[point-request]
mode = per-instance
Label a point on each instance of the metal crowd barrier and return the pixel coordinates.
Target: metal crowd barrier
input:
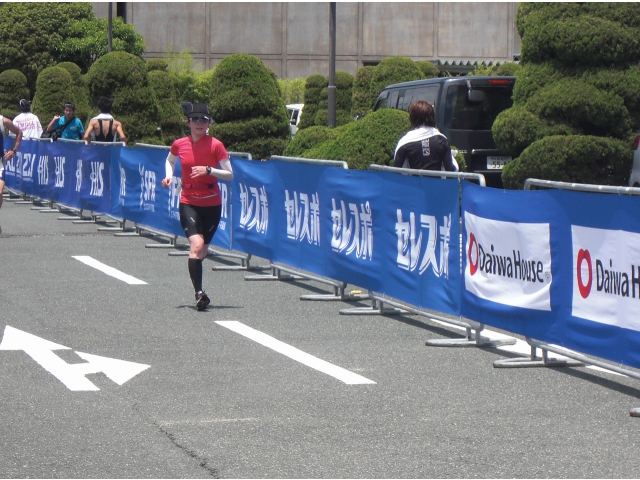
(576, 359)
(473, 330)
(296, 274)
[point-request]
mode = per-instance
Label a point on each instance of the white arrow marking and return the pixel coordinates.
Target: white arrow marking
(72, 375)
(340, 373)
(92, 262)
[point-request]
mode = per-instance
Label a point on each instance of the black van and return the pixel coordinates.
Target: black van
(465, 110)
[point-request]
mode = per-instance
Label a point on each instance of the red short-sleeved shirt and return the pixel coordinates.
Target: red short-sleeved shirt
(207, 151)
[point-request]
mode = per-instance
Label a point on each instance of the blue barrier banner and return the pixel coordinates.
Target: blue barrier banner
(141, 197)
(254, 186)
(19, 171)
(558, 266)
(92, 168)
(392, 234)
(296, 211)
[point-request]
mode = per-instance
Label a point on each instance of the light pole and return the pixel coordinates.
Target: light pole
(331, 113)
(110, 29)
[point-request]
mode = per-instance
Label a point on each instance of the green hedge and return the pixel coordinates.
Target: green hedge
(124, 78)
(344, 94)
(313, 87)
(361, 102)
(309, 138)
(54, 87)
(13, 88)
(574, 159)
(370, 140)
(247, 107)
(583, 107)
(171, 118)
(428, 69)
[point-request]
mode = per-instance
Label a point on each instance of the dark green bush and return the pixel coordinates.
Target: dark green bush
(362, 97)
(583, 40)
(80, 91)
(582, 107)
(54, 87)
(124, 78)
(428, 69)
(247, 107)
(309, 138)
(516, 128)
(392, 70)
(370, 140)
(171, 117)
(344, 95)
(509, 69)
(313, 87)
(532, 77)
(13, 87)
(574, 159)
(154, 64)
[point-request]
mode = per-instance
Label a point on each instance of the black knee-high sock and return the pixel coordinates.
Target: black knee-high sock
(195, 272)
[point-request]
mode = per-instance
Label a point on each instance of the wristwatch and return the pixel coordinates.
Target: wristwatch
(208, 170)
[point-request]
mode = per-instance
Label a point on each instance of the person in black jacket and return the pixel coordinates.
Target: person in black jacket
(423, 147)
(104, 127)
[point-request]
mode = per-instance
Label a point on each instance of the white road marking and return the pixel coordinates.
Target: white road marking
(340, 373)
(71, 375)
(92, 262)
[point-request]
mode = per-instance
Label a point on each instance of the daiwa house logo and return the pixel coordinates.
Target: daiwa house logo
(508, 263)
(606, 276)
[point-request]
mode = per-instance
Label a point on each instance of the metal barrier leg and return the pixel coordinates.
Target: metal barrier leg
(245, 262)
(276, 274)
(472, 340)
(377, 308)
(535, 361)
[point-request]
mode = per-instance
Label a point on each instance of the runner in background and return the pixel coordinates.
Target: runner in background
(104, 127)
(203, 160)
(9, 154)
(27, 121)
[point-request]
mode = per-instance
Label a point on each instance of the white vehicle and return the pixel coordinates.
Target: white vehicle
(294, 110)
(634, 179)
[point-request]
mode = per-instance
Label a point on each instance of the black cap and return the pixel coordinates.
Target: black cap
(25, 105)
(199, 110)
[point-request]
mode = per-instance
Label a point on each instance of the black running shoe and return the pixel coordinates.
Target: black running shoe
(202, 300)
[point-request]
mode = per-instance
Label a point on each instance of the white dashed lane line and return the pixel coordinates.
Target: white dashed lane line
(92, 262)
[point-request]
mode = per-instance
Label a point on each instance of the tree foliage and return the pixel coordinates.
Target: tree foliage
(247, 107)
(124, 78)
(13, 87)
(578, 89)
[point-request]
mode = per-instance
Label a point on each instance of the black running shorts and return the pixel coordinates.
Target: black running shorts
(200, 220)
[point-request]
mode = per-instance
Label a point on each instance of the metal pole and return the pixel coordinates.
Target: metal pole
(110, 29)
(331, 113)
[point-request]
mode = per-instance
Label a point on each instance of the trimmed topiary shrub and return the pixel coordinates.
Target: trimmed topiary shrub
(428, 69)
(362, 102)
(574, 158)
(313, 88)
(370, 140)
(80, 91)
(247, 107)
(154, 64)
(508, 69)
(124, 78)
(54, 87)
(344, 94)
(579, 78)
(309, 138)
(171, 117)
(13, 87)
(393, 70)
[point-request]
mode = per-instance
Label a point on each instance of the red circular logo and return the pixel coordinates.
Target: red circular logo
(584, 255)
(473, 267)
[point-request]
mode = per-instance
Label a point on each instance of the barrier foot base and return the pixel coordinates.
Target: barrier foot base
(634, 412)
(535, 362)
(377, 308)
(48, 210)
(340, 297)
(469, 342)
(263, 278)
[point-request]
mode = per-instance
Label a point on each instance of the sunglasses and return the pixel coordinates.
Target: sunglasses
(199, 119)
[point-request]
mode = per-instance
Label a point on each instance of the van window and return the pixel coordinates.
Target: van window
(460, 114)
(382, 101)
(393, 99)
(426, 94)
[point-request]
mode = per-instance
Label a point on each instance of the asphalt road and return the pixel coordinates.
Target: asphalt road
(215, 403)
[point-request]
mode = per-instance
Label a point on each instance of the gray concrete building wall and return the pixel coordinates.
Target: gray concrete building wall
(293, 38)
